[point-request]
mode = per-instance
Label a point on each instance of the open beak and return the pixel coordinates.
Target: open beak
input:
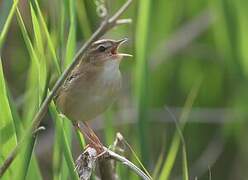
(116, 47)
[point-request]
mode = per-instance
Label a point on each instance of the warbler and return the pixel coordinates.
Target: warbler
(92, 86)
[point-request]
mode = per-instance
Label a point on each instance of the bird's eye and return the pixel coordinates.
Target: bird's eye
(101, 48)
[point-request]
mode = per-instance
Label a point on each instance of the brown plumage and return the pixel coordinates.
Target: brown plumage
(94, 84)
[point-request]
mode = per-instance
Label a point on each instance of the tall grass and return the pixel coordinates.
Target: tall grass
(172, 153)
(141, 45)
(5, 28)
(48, 40)
(8, 137)
(35, 88)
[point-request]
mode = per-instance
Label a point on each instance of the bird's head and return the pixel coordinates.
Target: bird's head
(105, 50)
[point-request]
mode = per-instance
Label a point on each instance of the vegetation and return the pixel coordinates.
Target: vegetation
(184, 98)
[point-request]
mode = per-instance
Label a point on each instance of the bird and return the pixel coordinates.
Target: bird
(92, 86)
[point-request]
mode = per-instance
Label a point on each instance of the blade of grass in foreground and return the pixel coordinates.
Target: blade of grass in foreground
(62, 156)
(8, 138)
(49, 39)
(6, 118)
(37, 31)
(7, 23)
(5, 8)
(60, 170)
(18, 163)
(57, 152)
(64, 142)
(33, 81)
(170, 160)
(36, 92)
(33, 171)
(70, 51)
(40, 53)
(15, 115)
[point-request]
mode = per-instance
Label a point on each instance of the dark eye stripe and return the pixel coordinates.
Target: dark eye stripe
(101, 48)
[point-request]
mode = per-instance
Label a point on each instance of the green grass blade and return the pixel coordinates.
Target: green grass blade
(185, 164)
(64, 142)
(66, 126)
(70, 48)
(61, 29)
(40, 53)
(16, 116)
(80, 140)
(37, 31)
(27, 166)
(35, 88)
(242, 35)
(108, 124)
(71, 41)
(173, 150)
(83, 19)
(8, 137)
(57, 152)
(158, 166)
(60, 164)
(60, 170)
(18, 169)
(170, 159)
(49, 39)
(184, 153)
(5, 7)
(137, 158)
(222, 33)
(33, 171)
(7, 23)
(34, 74)
(141, 75)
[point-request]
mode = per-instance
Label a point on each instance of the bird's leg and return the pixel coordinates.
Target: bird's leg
(92, 133)
(89, 134)
(86, 134)
(94, 138)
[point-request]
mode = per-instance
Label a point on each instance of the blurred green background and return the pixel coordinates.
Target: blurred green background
(190, 64)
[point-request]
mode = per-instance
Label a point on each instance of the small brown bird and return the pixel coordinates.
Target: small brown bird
(92, 86)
